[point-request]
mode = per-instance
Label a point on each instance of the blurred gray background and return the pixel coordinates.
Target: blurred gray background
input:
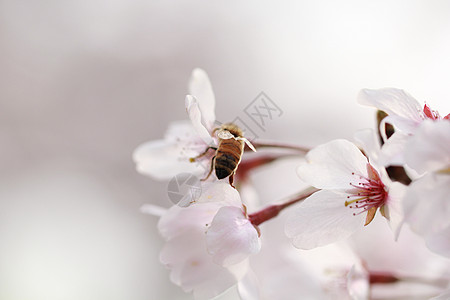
(82, 83)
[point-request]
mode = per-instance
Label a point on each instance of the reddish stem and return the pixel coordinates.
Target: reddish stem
(272, 211)
(278, 145)
(380, 277)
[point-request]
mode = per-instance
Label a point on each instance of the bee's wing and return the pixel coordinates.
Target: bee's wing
(247, 142)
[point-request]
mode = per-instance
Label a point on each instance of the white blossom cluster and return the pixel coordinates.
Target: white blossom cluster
(337, 247)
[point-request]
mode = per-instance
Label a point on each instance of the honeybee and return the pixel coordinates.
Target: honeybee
(228, 152)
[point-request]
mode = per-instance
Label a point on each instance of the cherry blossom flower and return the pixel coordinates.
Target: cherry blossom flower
(163, 159)
(404, 113)
(353, 189)
(427, 209)
(208, 243)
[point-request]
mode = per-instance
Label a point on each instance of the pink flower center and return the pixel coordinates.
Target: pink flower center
(433, 114)
(369, 193)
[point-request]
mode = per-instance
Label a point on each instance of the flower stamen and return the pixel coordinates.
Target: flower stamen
(367, 195)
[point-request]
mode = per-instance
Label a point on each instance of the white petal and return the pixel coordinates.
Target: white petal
(220, 191)
(231, 238)
(394, 206)
(392, 152)
(183, 131)
(367, 140)
(331, 165)
(429, 149)
(221, 281)
(394, 102)
(248, 287)
(192, 267)
(163, 160)
(426, 205)
(406, 126)
(179, 220)
(200, 214)
(200, 88)
(194, 112)
(322, 219)
(440, 242)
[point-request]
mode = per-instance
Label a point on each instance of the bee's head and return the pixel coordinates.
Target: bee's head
(233, 129)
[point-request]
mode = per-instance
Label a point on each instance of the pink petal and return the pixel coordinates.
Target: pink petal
(322, 219)
(179, 220)
(200, 88)
(214, 195)
(333, 165)
(231, 238)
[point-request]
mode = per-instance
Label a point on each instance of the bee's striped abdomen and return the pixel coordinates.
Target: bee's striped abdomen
(228, 156)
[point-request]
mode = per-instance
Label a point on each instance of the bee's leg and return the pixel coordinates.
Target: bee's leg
(193, 159)
(213, 160)
(231, 179)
